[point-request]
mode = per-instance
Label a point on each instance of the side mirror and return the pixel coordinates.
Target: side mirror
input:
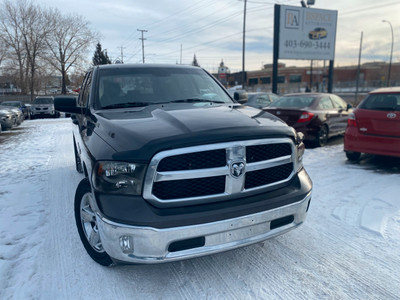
(67, 104)
(349, 106)
(240, 97)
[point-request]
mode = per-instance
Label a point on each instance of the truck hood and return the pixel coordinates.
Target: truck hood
(139, 133)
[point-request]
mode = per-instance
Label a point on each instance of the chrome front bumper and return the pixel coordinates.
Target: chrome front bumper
(151, 245)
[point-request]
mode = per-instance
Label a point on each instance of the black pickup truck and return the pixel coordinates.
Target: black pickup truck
(175, 168)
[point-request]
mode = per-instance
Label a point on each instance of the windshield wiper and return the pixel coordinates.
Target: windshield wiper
(126, 104)
(190, 100)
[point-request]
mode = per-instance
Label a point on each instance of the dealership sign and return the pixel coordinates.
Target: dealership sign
(307, 33)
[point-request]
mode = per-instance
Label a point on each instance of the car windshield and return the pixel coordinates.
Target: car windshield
(43, 101)
(294, 101)
(124, 87)
(14, 104)
(386, 102)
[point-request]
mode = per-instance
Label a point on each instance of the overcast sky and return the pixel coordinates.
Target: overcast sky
(212, 29)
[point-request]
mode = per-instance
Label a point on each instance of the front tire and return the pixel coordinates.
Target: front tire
(86, 223)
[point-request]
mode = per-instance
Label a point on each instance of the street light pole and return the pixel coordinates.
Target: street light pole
(244, 44)
(391, 52)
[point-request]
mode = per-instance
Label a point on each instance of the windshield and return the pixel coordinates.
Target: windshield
(294, 102)
(43, 101)
(386, 102)
(126, 87)
(14, 104)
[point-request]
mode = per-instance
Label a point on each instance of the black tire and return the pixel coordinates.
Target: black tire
(322, 137)
(86, 224)
(353, 156)
(78, 162)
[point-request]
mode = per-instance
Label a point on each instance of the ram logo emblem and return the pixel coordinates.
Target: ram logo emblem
(237, 169)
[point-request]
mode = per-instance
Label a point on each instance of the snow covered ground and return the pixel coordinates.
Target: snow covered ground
(348, 248)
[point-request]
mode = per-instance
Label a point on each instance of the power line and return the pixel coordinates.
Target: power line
(173, 15)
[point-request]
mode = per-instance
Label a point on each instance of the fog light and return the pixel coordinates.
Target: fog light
(126, 243)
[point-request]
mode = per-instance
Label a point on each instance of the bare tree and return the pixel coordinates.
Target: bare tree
(3, 51)
(12, 39)
(25, 27)
(68, 42)
(34, 29)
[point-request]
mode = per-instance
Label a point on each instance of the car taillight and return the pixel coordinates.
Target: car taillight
(351, 121)
(305, 117)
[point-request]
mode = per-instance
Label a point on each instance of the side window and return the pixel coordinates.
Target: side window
(84, 97)
(338, 102)
(325, 103)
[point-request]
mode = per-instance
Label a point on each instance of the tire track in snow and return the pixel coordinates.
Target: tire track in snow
(196, 276)
(24, 208)
(60, 192)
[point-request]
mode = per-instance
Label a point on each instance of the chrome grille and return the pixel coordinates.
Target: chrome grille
(215, 172)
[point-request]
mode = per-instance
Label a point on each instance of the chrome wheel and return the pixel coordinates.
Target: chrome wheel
(322, 137)
(89, 224)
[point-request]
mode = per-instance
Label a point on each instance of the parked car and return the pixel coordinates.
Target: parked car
(43, 106)
(318, 33)
(19, 116)
(260, 99)
(8, 118)
(374, 126)
(18, 104)
(318, 116)
(175, 169)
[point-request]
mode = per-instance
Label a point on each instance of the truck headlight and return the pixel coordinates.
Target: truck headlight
(300, 148)
(118, 177)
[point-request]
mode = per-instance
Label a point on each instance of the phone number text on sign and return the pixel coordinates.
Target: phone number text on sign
(293, 44)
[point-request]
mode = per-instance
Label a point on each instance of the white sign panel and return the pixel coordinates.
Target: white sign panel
(307, 33)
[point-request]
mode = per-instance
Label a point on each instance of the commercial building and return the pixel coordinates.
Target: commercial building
(315, 77)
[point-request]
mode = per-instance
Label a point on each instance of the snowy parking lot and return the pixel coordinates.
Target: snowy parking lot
(348, 248)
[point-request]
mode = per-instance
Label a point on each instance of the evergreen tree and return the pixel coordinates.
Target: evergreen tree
(195, 63)
(99, 57)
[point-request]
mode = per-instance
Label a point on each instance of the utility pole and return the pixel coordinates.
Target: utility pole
(243, 46)
(122, 53)
(181, 55)
(358, 69)
(142, 30)
(311, 65)
(391, 52)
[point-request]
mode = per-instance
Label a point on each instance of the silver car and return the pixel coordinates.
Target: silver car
(43, 106)
(7, 118)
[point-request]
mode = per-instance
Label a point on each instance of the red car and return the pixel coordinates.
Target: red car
(318, 116)
(374, 127)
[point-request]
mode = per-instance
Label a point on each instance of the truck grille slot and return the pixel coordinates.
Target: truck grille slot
(193, 161)
(268, 176)
(176, 189)
(265, 152)
(218, 172)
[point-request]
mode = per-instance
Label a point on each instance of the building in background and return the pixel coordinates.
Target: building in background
(223, 72)
(296, 79)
